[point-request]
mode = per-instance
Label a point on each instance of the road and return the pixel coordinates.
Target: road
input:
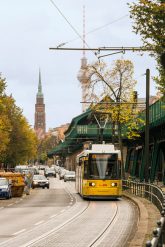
(60, 217)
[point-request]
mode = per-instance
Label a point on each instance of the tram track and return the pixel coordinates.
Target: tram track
(55, 220)
(55, 230)
(84, 224)
(92, 227)
(90, 230)
(46, 239)
(101, 235)
(79, 220)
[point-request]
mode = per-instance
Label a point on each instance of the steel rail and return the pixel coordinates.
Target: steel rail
(105, 229)
(56, 229)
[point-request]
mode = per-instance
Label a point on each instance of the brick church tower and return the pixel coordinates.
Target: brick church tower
(39, 125)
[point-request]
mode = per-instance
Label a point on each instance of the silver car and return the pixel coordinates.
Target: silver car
(50, 172)
(5, 188)
(40, 181)
(69, 176)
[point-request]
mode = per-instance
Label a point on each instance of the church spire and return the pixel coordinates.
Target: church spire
(39, 93)
(40, 118)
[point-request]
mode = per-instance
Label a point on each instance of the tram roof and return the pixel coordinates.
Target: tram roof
(99, 148)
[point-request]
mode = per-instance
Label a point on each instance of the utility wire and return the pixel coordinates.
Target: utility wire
(96, 29)
(73, 28)
(105, 25)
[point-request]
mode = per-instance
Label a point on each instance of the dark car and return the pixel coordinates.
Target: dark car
(5, 188)
(40, 181)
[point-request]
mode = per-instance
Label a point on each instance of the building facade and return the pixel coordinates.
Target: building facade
(40, 123)
(59, 132)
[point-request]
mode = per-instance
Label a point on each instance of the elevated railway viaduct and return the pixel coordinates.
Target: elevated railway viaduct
(84, 128)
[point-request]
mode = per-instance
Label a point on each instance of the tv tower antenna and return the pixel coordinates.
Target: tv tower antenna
(84, 75)
(84, 31)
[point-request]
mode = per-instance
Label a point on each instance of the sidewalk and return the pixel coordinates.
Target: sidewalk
(148, 217)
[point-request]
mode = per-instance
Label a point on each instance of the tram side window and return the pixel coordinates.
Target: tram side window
(119, 169)
(86, 169)
(80, 162)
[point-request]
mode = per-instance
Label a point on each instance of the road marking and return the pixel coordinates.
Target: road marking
(53, 216)
(38, 223)
(10, 204)
(62, 211)
(19, 232)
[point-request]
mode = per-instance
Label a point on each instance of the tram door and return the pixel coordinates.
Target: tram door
(79, 176)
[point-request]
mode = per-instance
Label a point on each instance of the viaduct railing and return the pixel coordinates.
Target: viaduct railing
(154, 194)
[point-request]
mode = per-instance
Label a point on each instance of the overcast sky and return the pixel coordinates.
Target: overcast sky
(30, 27)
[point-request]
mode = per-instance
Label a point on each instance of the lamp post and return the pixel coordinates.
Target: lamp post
(147, 126)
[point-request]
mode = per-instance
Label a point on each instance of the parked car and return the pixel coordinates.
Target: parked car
(42, 167)
(62, 173)
(57, 168)
(50, 172)
(21, 168)
(69, 176)
(5, 188)
(40, 181)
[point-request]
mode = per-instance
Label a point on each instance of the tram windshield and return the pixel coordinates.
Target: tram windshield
(102, 166)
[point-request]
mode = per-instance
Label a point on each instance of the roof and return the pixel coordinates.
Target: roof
(75, 121)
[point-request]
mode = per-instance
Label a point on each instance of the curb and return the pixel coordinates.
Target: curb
(142, 224)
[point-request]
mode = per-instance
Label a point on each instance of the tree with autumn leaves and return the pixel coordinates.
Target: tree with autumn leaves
(44, 145)
(116, 86)
(149, 22)
(18, 140)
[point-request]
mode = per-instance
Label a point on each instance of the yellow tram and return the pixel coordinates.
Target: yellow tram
(98, 172)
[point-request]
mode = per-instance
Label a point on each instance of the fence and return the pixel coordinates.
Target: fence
(154, 194)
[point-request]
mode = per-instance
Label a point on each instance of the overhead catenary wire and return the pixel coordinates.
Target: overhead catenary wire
(94, 30)
(73, 28)
(77, 33)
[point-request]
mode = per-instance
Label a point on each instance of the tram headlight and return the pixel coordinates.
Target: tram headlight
(92, 184)
(114, 184)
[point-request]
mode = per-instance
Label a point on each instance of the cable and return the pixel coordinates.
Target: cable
(73, 28)
(97, 29)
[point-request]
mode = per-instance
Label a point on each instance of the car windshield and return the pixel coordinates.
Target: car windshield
(101, 166)
(3, 182)
(50, 169)
(70, 173)
(39, 177)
